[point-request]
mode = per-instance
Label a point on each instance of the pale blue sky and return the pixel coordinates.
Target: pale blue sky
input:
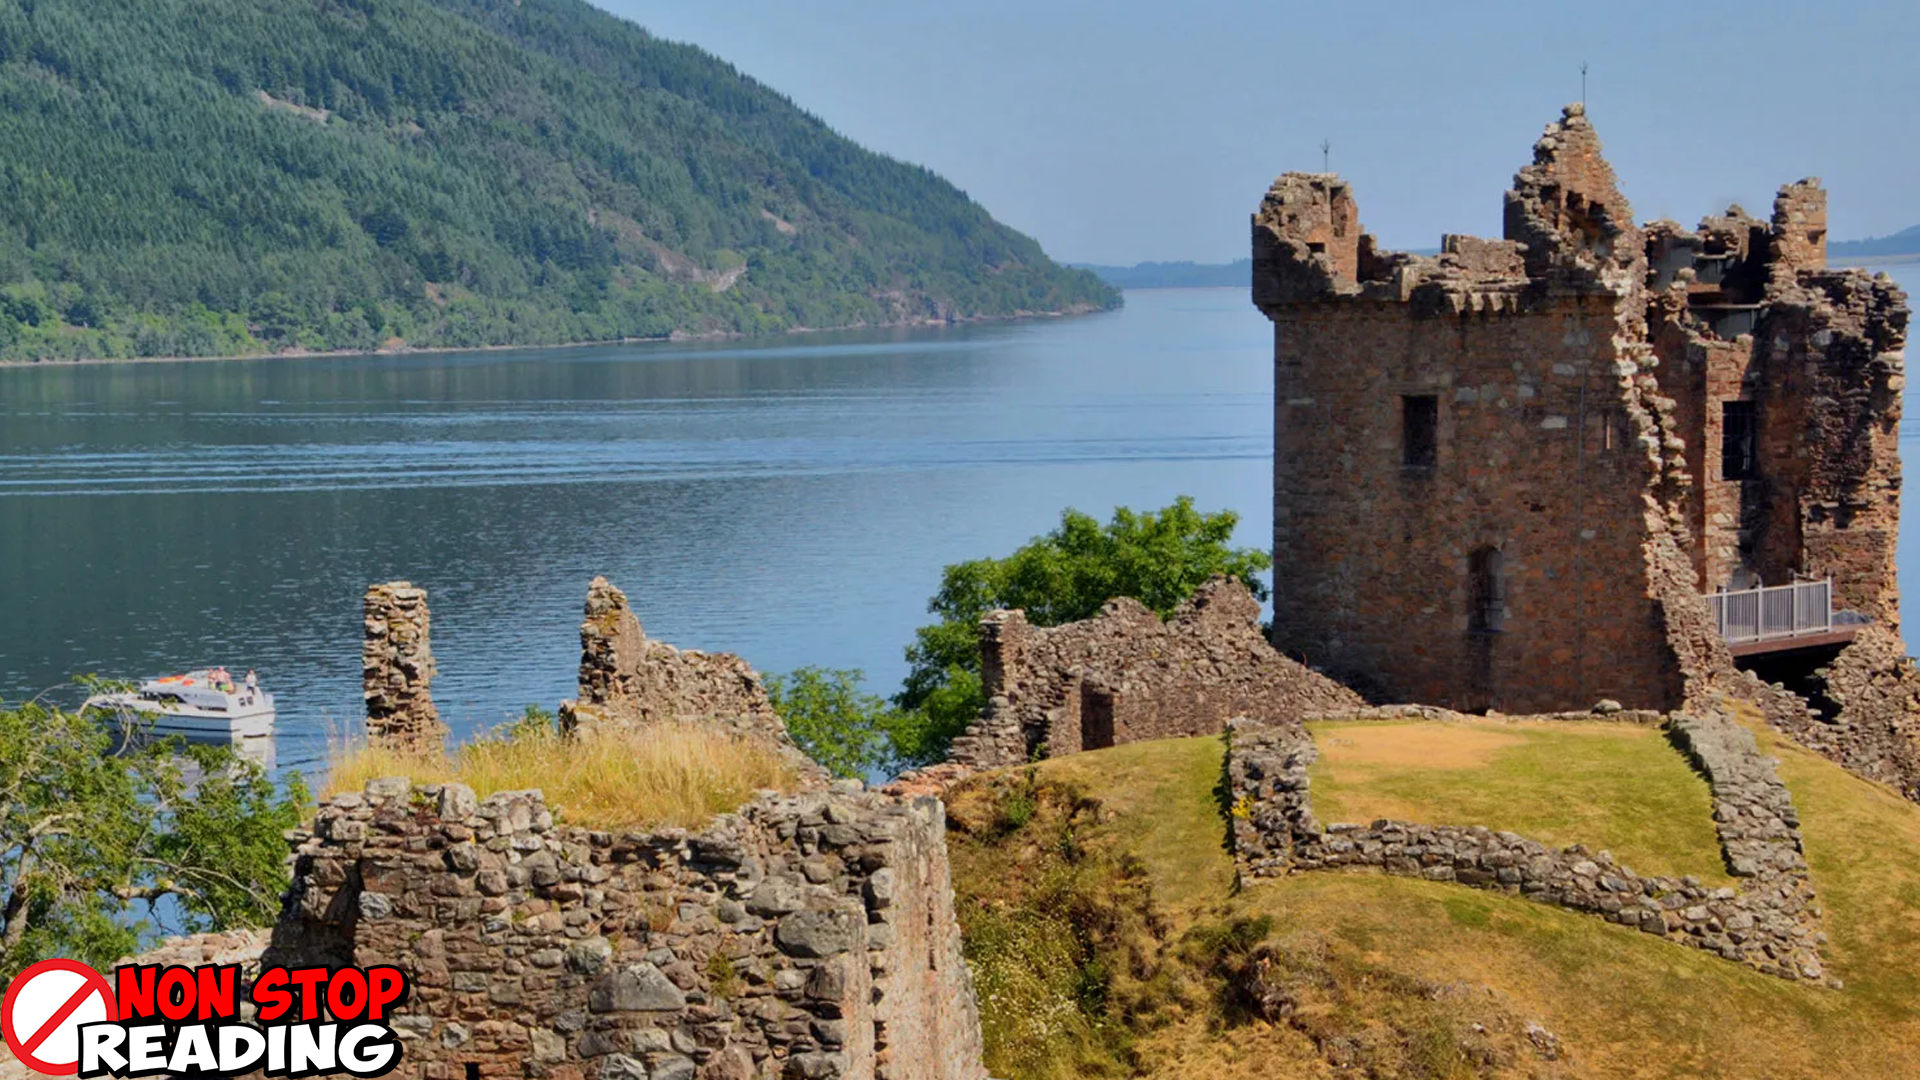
(1122, 131)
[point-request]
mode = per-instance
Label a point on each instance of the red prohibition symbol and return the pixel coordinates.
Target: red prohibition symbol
(44, 1009)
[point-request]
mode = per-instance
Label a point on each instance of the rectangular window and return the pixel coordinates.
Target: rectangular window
(1739, 430)
(1419, 431)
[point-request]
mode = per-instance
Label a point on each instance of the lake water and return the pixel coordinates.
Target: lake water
(791, 500)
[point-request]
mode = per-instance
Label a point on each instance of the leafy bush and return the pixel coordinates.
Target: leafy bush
(850, 732)
(97, 850)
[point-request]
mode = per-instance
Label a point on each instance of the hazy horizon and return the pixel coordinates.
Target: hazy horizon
(1126, 132)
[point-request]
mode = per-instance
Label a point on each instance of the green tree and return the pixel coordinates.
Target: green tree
(1157, 557)
(850, 732)
(93, 845)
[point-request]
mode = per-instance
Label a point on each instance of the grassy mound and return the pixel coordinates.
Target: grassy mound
(1134, 956)
(666, 775)
(1615, 786)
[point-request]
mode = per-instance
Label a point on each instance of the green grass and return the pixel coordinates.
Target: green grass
(1165, 798)
(1863, 845)
(1616, 787)
(1396, 977)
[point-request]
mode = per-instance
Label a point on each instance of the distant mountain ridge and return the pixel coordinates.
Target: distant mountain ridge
(1904, 242)
(1173, 275)
(198, 177)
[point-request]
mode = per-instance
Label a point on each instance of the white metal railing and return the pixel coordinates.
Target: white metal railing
(1777, 611)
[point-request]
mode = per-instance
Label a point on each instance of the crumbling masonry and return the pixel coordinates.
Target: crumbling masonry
(1505, 475)
(630, 680)
(810, 935)
(396, 668)
(1125, 676)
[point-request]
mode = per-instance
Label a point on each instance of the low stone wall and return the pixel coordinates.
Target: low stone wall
(397, 669)
(630, 680)
(1126, 676)
(1611, 712)
(806, 936)
(1768, 922)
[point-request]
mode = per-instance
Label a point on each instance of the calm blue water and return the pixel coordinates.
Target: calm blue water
(792, 500)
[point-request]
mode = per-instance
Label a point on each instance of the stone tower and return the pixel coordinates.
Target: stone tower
(1498, 471)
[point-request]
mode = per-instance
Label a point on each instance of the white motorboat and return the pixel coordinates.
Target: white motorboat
(204, 705)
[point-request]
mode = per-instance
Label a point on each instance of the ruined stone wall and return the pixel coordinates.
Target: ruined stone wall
(1799, 234)
(1769, 922)
(630, 680)
(1832, 348)
(806, 936)
(396, 666)
(1700, 371)
(1865, 713)
(1820, 363)
(1125, 676)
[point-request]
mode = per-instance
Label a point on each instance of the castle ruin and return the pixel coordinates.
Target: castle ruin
(1532, 473)
(1125, 676)
(628, 680)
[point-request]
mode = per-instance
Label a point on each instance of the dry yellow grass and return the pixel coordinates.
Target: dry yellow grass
(1435, 746)
(666, 775)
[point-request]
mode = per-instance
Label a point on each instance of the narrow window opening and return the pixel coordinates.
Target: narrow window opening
(1738, 428)
(1317, 247)
(1419, 431)
(1486, 597)
(473, 1070)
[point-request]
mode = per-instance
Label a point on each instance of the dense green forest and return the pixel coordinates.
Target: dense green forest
(200, 177)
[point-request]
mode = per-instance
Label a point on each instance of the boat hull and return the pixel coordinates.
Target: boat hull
(144, 719)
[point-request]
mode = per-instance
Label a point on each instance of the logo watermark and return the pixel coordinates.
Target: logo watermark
(62, 1018)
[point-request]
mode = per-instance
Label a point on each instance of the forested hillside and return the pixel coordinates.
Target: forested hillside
(198, 177)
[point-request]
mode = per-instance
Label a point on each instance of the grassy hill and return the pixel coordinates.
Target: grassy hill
(222, 176)
(1108, 939)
